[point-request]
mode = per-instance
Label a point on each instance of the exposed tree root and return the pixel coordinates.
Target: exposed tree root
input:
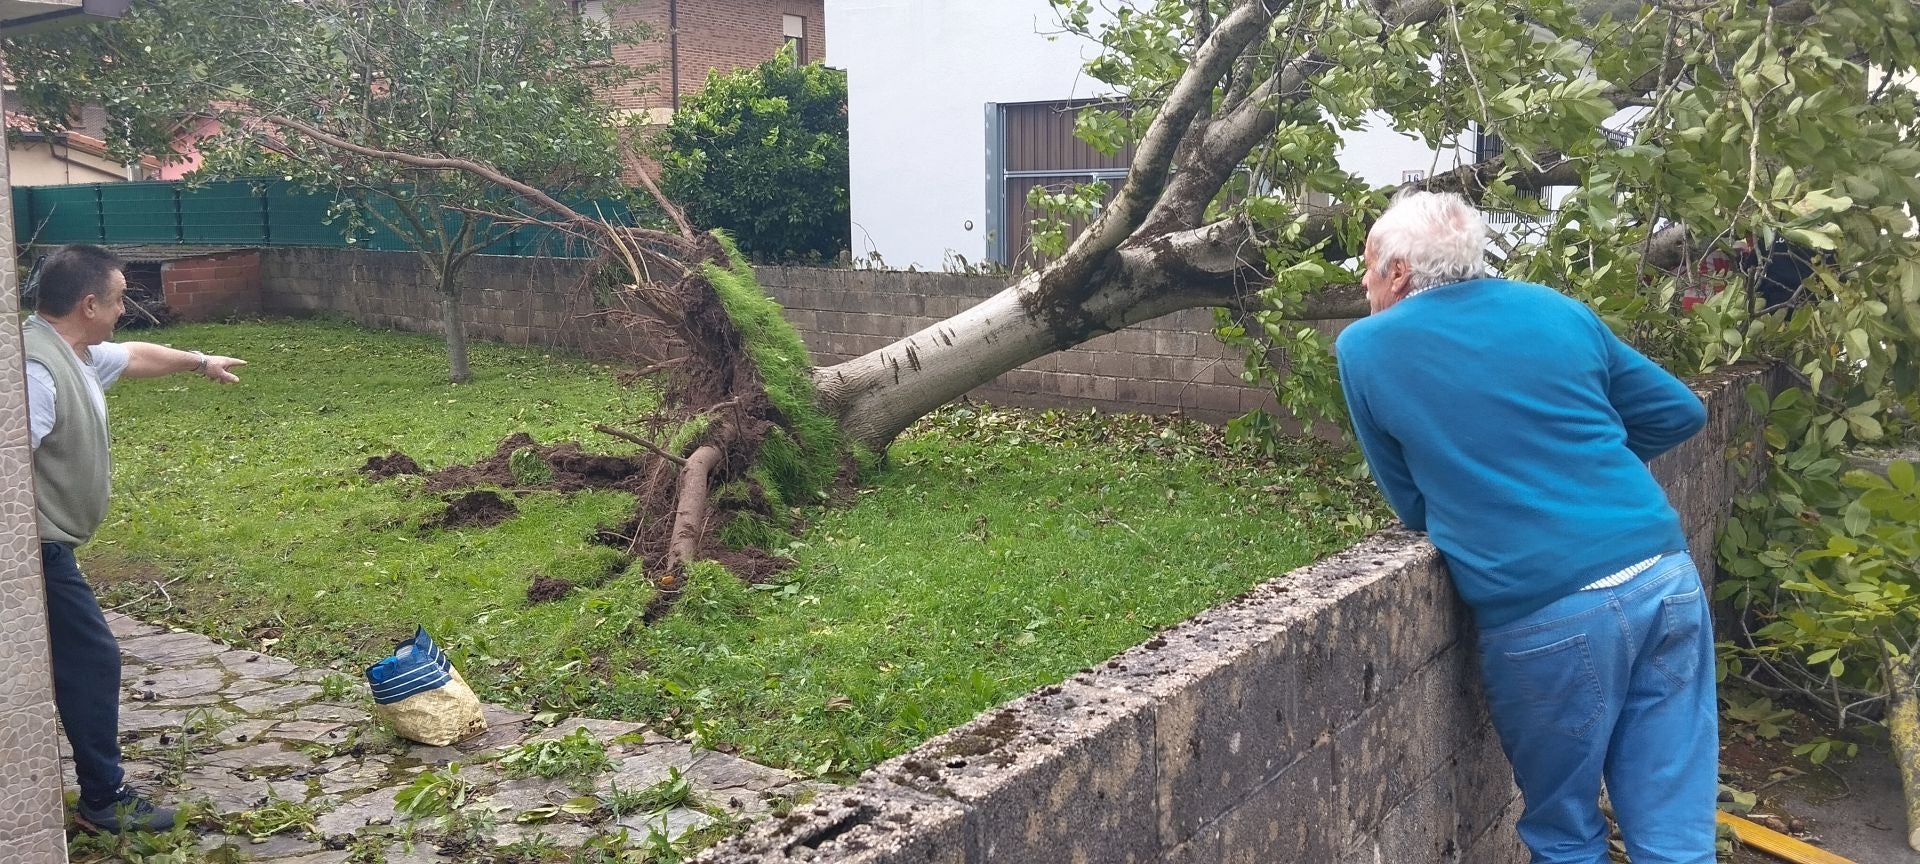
(690, 514)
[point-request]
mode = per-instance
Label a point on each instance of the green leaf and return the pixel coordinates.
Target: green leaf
(1857, 343)
(1900, 473)
(1819, 201)
(537, 814)
(1823, 656)
(1859, 479)
(1836, 432)
(1815, 239)
(1857, 518)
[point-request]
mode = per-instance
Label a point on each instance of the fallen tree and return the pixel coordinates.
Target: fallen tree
(1672, 135)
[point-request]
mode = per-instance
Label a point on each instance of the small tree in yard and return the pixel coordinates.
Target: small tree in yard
(762, 153)
(1771, 120)
(374, 100)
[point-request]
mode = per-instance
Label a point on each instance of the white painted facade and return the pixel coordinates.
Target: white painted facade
(920, 75)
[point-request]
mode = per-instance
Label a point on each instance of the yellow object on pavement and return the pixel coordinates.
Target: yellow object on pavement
(1777, 844)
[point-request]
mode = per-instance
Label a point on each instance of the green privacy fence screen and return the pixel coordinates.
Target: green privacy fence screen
(245, 213)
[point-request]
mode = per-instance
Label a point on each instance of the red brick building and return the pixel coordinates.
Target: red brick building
(695, 37)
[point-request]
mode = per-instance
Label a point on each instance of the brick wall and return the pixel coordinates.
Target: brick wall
(1332, 714)
(210, 287)
(714, 35)
(1169, 364)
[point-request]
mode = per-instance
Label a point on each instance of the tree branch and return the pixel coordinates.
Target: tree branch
(1228, 140)
(440, 163)
(1223, 259)
(1192, 94)
(624, 435)
(673, 210)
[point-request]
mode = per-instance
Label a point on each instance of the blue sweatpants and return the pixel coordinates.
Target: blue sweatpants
(86, 674)
(1614, 683)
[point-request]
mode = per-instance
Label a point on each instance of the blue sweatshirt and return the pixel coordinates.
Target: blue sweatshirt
(1507, 422)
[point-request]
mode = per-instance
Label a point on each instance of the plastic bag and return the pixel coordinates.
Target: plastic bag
(422, 696)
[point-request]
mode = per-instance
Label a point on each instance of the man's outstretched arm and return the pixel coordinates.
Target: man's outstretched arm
(147, 360)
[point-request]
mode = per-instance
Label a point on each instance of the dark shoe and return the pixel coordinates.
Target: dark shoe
(128, 811)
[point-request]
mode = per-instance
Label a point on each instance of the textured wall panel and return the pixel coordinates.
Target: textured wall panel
(30, 806)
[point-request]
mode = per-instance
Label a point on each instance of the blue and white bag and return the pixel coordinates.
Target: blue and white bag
(418, 691)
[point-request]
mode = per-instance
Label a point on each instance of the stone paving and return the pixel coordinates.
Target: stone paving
(238, 731)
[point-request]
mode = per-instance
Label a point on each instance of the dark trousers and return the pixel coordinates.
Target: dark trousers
(86, 673)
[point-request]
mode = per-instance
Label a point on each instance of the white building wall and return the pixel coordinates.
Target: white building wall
(919, 76)
(1382, 156)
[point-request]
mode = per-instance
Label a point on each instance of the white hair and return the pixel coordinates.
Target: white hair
(1440, 236)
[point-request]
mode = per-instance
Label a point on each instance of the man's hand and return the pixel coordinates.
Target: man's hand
(219, 369)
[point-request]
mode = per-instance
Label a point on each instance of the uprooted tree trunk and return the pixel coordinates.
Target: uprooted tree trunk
(1903, 732)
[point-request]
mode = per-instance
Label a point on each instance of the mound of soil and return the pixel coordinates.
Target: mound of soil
(480, 509)
(389, 466)
(544, 590)
(573, 469)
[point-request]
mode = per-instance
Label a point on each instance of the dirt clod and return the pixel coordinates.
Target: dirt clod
(481, 509)
(544, 590)
(389, 466)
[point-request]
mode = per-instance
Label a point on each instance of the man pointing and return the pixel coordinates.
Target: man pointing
(70, 364)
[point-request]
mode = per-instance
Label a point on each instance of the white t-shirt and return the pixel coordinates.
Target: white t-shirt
(100, 370)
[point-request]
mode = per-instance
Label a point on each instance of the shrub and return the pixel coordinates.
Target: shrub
(762, 153)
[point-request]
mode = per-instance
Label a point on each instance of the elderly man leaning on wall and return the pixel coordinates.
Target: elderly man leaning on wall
(1507, 421)
(70, 364)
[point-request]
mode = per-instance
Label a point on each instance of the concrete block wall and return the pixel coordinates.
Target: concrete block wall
(210, 287)
(519, 301)
(1332, 714)
(1173, 363)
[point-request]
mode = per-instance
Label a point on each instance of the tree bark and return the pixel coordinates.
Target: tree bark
(455, 327)
(1903, 727)
(690, 510)
(876, 396)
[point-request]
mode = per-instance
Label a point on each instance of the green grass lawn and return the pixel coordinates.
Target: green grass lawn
(997, 551)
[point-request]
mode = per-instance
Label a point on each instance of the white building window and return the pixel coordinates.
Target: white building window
(594, 12)
(596, 21)
(794, 29)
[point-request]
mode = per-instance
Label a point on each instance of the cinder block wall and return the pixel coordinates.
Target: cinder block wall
(520, 301)
(1173, 363)
(1332, 714)
(211, 287)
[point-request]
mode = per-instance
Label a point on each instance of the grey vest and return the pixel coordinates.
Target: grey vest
(72, 468)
